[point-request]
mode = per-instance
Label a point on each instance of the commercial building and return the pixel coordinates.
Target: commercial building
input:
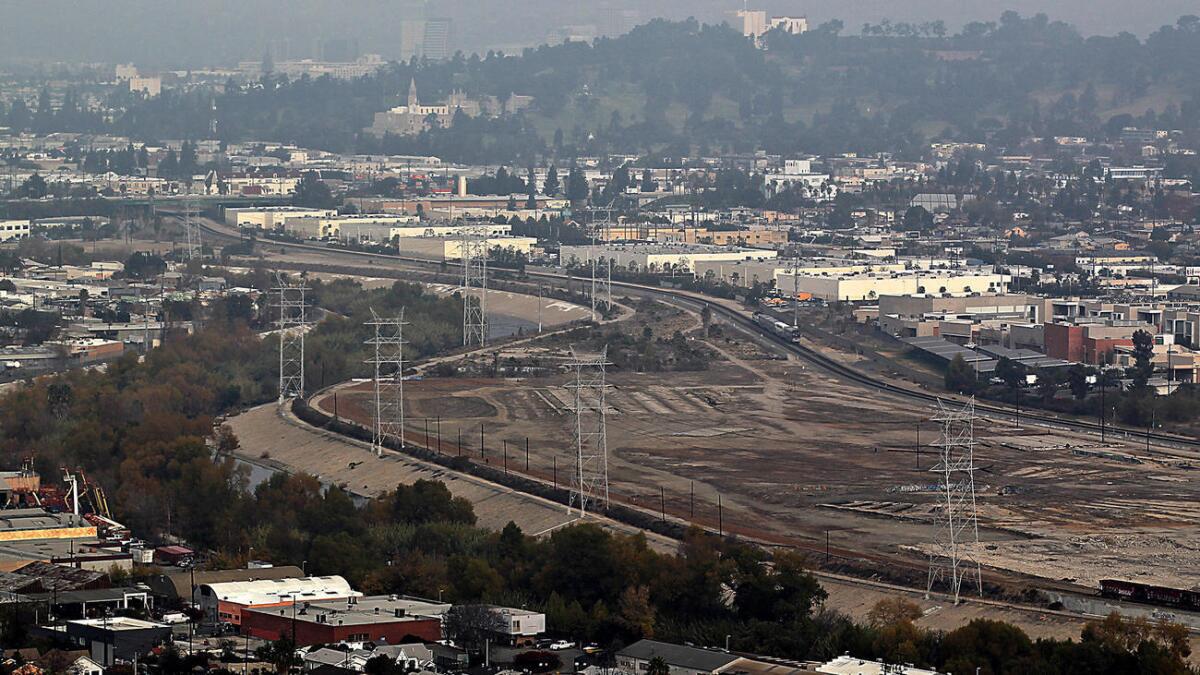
(747, 273)
(1090, 342)
(753, 236)
(112, 638)
(660, 257)
(518, 626)
(271, 217)
(866, 286)
(850, 665)
(756, 23)
(150, 86)
(683, 660)
(380, 619)
(450, 248)
(34, 534)
(175, 588)
(225, 602)
(366, 227)
(14, 229)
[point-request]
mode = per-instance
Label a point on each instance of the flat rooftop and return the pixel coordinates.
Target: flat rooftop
(361, 611)
(118, 623)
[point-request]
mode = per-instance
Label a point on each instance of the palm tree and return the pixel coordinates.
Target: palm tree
(658, 666)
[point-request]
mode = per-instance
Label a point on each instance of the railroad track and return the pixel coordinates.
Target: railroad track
(821, 361)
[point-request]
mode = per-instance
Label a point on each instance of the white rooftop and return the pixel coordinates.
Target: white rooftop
(276, 591)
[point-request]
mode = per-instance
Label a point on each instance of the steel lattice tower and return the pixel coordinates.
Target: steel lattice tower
(194, 247)
(473, 250)
(601, 284)
(292, 325)
(951, 562)
(388, 361)
(589, 476)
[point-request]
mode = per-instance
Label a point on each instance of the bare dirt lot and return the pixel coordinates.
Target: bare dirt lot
(771, 448)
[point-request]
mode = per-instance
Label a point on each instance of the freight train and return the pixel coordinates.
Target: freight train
(786, 331)
(1150, 595)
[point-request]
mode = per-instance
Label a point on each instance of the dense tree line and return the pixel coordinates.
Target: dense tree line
(671, 88)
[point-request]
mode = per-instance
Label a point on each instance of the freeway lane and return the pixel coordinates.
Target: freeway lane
(743, 319)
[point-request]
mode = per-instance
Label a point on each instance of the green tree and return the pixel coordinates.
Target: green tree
(960, 377)
(550, 187)
(312, 192)
(577, 187)
(1143, 355)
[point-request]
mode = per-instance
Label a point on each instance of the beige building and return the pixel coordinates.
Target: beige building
(450, 248)
(660, 257)
(271, 217)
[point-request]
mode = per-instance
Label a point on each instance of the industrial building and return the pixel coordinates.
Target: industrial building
(225, 602)
(865, 286)
(380, 619)
(111, 638)
(747, 273)
(450, 248)
(271, 217)
(659, 257)
(373, 227)
(14, 229)
(384, 232)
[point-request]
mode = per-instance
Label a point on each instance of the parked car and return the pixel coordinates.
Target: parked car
(561, 644)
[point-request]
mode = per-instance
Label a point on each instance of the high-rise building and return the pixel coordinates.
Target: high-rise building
(435, 42)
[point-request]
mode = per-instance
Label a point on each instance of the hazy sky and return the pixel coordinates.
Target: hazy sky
(194, 32)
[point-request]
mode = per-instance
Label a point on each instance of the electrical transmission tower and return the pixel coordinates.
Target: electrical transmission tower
(195, 248)
(601, 286)
(951, 562)
(473, 249)
(388, 360)
(292, 326)
(589, 477)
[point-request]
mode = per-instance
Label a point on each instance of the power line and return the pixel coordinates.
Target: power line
(473, 252)
(589, 476)
(388, 360)
(951, 561)
(292, 326)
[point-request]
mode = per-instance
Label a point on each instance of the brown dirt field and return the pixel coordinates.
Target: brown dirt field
(794, 454)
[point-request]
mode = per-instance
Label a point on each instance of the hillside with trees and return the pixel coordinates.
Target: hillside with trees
(671, 88)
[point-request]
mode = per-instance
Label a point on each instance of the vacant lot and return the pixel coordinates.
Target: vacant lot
(768, 447)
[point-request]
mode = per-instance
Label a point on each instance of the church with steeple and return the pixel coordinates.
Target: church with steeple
(412, 117)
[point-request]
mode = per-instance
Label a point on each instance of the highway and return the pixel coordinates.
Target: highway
(743, 319)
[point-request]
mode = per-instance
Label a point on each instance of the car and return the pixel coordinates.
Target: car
(561, 644)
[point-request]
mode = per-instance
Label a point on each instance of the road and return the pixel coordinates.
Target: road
(732, 312)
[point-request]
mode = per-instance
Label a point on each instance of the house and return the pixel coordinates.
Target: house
(85, 665)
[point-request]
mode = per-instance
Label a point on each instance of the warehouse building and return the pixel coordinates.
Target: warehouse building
(271, 217)
(869, 286)
(660, 257)
(450, 248)
(747, 273)
(382, 233)
(386, 619)
(225, 602)
(14, 229)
